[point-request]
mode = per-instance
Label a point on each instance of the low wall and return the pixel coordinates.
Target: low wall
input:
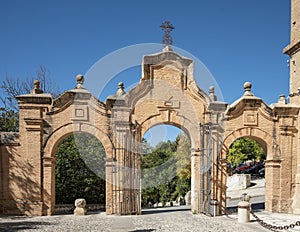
(69, 208)
(238, 181)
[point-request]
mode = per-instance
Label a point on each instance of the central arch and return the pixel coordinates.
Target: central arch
(166, 94)
(166, 148)
(154, 121)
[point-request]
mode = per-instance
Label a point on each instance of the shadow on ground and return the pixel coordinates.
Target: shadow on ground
(21, 225)
(165, 210)
(147, 230)
(255, 207)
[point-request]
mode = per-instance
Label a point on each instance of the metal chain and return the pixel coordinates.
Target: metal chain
(231, 211)
(273, 227)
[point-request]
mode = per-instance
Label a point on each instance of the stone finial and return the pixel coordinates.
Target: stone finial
(282, 100)
(247, 89)
(36, 87)
(167, 48)
(80, 207)
(245, 197)
(80, 81)
(120, 90)
(212, 95)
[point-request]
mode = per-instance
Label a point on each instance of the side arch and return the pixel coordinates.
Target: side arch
(61, 133)
(272, 164)
(48, 159)
(267, 142)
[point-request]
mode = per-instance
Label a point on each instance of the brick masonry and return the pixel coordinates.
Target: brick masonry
(166, 94)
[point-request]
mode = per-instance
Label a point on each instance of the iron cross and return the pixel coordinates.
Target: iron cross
(167, 27)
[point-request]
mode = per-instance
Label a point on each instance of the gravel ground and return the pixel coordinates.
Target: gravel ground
(184, 220)
(165, 219)
(61, 223)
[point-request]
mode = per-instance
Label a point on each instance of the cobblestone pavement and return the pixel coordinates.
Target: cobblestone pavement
(162, 219)
(276, 219)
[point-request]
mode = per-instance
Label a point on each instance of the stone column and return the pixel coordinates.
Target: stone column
(296, 198)
(286, 174)
(110, 166)
(48, 184)
(205, 168)
(195, 181)
(221, 183)
(296, 184)
(26, 186)
(272, 195)
(219, 165)
(296, 181)
(284, 167)
(125, 174)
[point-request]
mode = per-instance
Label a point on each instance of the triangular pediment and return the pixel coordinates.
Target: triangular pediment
(246, 103)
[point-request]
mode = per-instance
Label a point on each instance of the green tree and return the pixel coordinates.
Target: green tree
(183, 157)
(244, 149)
(158, 157)
(75, 158)
(146, 147)
(173, 160)
(9, 120)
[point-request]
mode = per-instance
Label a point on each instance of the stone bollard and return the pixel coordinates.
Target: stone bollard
(188, 198)
(214, 206)
(244, 209)
(80, 207)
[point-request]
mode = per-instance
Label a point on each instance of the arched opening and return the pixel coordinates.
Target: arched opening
(246, 172)
(80, 173)
(166, 169)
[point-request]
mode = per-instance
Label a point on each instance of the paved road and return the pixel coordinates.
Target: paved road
(162, 219)
(254, 200)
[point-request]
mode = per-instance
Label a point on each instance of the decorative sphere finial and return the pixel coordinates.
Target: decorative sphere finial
(36, 83)
(282, 99)
(36, 87)
(212, 95)
(247, 89)
(121, 85)
(120, 90)
(247, 86)
(80, 81)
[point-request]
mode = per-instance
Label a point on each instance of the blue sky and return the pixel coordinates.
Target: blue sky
(236, 40)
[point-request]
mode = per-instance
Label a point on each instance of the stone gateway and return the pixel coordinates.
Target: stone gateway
(27, 158)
